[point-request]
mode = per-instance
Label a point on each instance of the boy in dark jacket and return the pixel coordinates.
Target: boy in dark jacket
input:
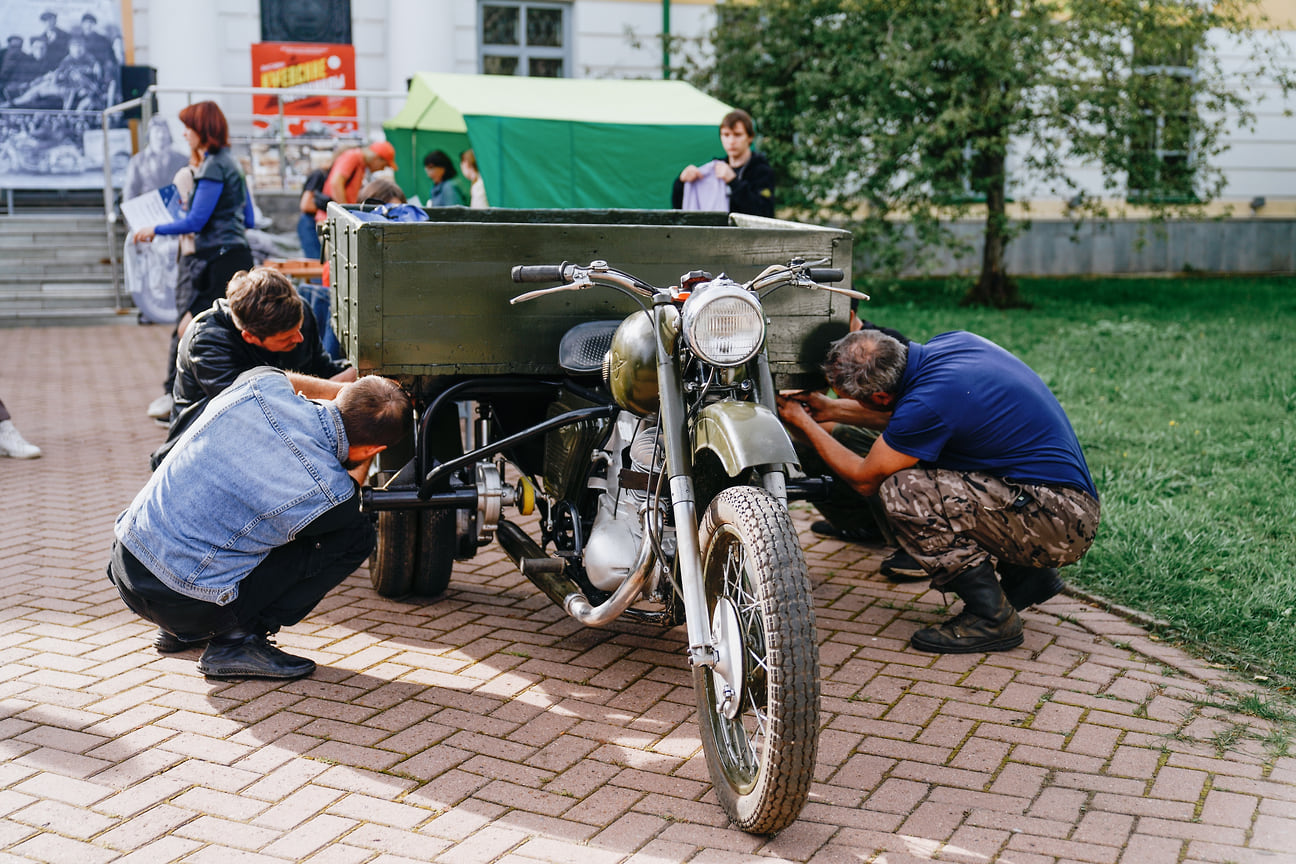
(746, 174)
(261, 321)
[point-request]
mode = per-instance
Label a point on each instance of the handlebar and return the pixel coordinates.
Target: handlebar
(539, 272)
(574, 277)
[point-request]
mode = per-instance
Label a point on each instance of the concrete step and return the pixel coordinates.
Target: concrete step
(68, 289)
(52, 297)
(81, 315)
(34, 241)
(96, 307)
(21, 272)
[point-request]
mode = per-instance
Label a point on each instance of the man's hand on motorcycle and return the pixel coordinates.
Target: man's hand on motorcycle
(792, 410)
(818, 405)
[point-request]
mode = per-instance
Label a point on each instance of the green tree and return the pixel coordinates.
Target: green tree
(897, 116)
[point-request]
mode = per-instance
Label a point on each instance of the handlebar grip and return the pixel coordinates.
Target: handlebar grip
(538, 273)
(825, 274)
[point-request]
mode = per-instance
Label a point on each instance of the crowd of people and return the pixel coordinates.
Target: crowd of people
(953, 450)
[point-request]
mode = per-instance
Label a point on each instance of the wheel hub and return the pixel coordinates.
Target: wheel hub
(727, 673)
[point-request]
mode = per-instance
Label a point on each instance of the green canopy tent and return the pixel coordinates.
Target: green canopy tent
(558, 142)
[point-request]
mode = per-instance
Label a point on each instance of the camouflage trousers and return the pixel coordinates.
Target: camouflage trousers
(950, 521)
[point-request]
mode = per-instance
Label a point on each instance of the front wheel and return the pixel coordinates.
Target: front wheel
(758, 708)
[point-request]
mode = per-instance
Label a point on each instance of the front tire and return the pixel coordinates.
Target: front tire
(758, 710)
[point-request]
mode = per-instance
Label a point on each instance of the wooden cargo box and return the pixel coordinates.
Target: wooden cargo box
(432, 298)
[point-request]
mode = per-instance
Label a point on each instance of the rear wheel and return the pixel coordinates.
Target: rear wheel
(417, 549)
(436, 552)
(758, 709)
(391, 566)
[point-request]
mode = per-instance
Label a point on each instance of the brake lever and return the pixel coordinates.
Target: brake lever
(574, 285)
(815, 286)
(847, 292)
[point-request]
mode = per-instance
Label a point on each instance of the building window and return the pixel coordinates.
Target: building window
(1161, 153)
(326, 21)
(524, 39)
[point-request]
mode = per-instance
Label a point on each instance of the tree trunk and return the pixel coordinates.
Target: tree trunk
(994, 287)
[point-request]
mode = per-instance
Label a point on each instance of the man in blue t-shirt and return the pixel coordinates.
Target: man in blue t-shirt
(979, 470)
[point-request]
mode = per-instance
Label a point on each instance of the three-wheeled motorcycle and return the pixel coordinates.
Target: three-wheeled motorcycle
(644, 437)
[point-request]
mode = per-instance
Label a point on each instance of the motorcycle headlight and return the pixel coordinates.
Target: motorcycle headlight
(723, 324)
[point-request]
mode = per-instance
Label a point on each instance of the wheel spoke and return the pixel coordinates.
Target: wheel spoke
(749, 729)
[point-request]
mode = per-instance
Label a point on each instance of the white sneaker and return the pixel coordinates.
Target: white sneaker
(14, 445)
(160, 408)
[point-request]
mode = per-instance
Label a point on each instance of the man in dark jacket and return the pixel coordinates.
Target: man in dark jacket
(747, 175)
(261, 321)
(979, 470)
(54, 37)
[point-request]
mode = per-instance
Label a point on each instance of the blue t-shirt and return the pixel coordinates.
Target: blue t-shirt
(968, 405)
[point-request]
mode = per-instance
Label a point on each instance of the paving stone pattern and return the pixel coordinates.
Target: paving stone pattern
(486, 726)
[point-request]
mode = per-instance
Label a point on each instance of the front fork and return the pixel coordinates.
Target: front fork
(679, 468)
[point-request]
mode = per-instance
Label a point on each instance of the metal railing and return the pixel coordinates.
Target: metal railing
(267, 146)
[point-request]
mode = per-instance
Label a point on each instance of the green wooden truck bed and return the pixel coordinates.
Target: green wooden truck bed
(431, 299)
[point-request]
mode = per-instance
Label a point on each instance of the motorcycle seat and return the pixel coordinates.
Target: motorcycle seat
(584, 346)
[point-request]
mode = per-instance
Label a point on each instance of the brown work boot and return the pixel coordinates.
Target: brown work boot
(1025, 586)
(988, 621)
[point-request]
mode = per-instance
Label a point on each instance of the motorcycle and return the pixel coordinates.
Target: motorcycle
(659, 472)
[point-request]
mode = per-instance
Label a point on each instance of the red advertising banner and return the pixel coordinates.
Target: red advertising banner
(306, 65)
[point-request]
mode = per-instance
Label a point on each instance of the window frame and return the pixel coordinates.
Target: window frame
(523, 52)
(1158, 152)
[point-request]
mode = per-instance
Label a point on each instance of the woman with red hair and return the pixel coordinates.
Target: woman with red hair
(220, 211)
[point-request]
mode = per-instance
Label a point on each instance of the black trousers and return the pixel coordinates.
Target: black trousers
(278, 592)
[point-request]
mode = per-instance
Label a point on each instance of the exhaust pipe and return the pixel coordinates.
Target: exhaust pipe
(548, 574)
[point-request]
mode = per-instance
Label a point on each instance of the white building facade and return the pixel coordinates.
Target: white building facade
(205, 43)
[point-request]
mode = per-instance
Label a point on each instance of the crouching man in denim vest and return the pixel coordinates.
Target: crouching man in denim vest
(253, 517)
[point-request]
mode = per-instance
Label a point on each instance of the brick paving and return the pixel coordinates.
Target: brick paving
(486, 726)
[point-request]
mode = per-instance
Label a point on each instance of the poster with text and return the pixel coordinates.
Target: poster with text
(308, 66)
(60, 67)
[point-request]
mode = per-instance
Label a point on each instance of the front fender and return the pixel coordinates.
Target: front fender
(743, 435)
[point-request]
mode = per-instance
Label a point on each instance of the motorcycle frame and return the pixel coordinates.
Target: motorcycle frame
(679, 447)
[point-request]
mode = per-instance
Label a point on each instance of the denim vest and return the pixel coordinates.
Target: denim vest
(258, 466)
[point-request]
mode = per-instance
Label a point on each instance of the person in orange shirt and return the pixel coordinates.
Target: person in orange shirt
(348, 172)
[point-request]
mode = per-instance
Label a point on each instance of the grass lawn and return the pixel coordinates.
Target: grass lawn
(1183, 394)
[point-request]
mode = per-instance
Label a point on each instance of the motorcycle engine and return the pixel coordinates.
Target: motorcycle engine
(634, 457)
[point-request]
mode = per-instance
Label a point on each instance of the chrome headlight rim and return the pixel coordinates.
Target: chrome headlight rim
(724, 343)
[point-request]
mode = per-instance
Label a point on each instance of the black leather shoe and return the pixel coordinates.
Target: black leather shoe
(861, 534)
(1026, 586)
(900, 566)
(246, 654)
(165, 643)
